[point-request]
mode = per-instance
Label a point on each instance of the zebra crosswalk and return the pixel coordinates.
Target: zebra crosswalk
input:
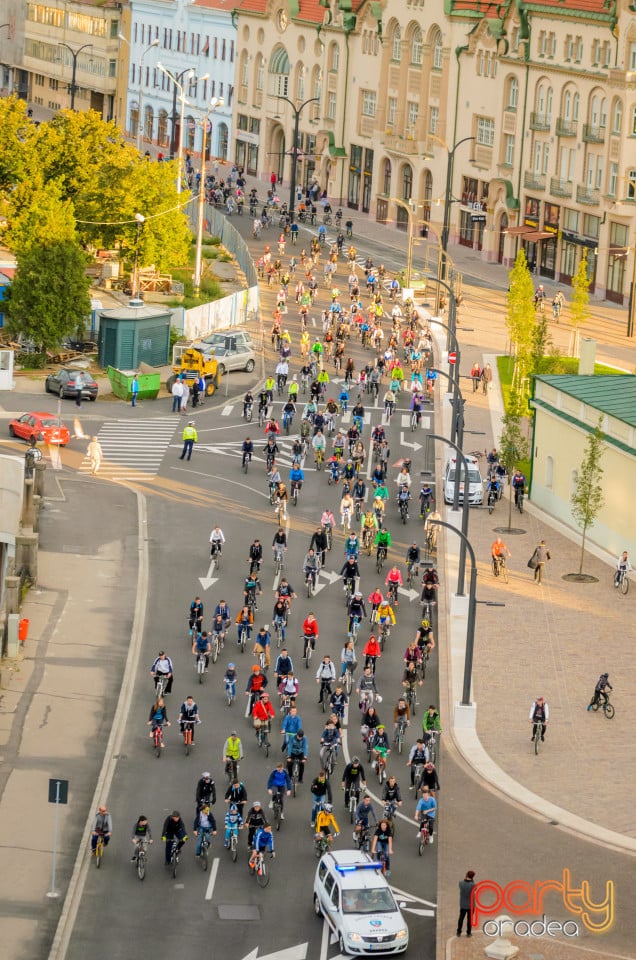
(133, 449)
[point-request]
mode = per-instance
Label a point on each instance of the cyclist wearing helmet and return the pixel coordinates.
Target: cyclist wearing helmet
(325, 822)
(424, 636)
(255, 685)
(206, 790)
(348, 472)
(230, 679)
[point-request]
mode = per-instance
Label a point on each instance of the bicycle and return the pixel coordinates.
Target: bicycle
(321, 845)
(393, 592)
(141, 858)
(174, 856)
(536, 736)
(499, 567)
(277, 809)
(349, 585)
(423, 835)
(262, 738)
(519, 495)
(307, 650)
(205, 846)
(188, 740)
(310, 582)
(382, 857)
(411, 697)
(416, 417)
(362, 841)
(100, 846)
(261, 869)
(279, 559)
(319, 458)
(380, 558)
(418, 774)
(230, 691)
(399, 734)
(200, 666)
(161, 682)
(231, 770)
(623, 581)
(606, 706)
(348, 678)
(412, 572)
(329, 533)
(243, 637)
(233, 845)
(295, 774)
(354, 629)
(329, 762)
(325, 694)
(432, 745)
(384, 635)
(380, 767)
(157, 739)
(247, 413)
(215, 558)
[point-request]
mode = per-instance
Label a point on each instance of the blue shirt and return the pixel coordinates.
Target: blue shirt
(427, 806)
(264, 840)
(233, 819)
(291, 725)
(296, 747)
(278, 779)
(296, 475)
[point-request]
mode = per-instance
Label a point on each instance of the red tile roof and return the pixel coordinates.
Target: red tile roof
(228, 5)
(491, 10)
(309, 11)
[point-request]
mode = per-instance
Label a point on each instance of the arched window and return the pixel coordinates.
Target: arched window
(548, 104)
(438, 57)
(397, 45)
(567, 105)
(576, 103)
(189, 133)
(162, 128)
(386, 180)
(334, 59)
(407, 181)
(633, 121)
(603, 117)
(260, 73)
(221, 140)
(417, 48)
(244, 69)
(541, 101)
(513, 93)
(300, 83)
(279, 68)
(149, 120)
(594, 111)
(617, 117)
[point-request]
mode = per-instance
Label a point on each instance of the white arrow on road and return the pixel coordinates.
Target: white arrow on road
(405, 443)
(299, 952)
(207, 581)
(329, 575)
(411, 594)
(408, 901)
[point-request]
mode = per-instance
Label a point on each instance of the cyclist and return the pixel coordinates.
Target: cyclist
(325, 822)
(378, 435)
(357, 415)
(343, 398)
(289, 409)
(263, 404)
(393, 582)
(279, 616)
(319, 543)
(325, 676)
(412, 557)
(372, 651)
(350, 573)
(539, 715)
(140, 832)
(375, 598)
(279, 543)
(430, 583)
(158, 717)
(380, 744)
(271, 450)
(364, 813)
(338, 445)
(337, 702)
(217, 539)
(418, 755)
(499, 551)
(244, 622)
(263, 645)
(254, 821)
(201, 647)
(600, 690)
(285, 593)
(382, 844)
(424, 637)
(281, 498)
(173, 834)
(348, 471)
(236, 795)
(385, 614)
(311, 631)
(279, 784)
(188, 713)
(222, 610)
(195, 616)
(518, 484)
(426, 496)
(357, 609)
(622, 566)
(403, 478)
(102, 827)
(352, 545)
(391, 792)
(247, 449)
(297, 749)
(263, 841)
(401, 715)
(282, 372)
(319, 445)
(382, 540)
(296, 477)
(327, 520)
(262, 714)
(426, 808)
(162, 668)
(292, 723)
(232, 752)
(431, 724)
(256, 684)
(353, 778)
(205, 791)
(204, 826)
(248, 402)
(255, 557)
(288, 691)
(233, 822)
(368, 691)
(311, 566)
(430, 778)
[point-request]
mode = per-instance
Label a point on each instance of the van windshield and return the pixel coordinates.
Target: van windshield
(376, 900)
(473, 475)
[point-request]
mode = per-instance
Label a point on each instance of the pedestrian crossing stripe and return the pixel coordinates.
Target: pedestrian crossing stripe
(133, 449)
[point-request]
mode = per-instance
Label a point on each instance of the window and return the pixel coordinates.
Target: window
(513, 93)
(603, 117)
(112, 68)
(417, 49)
(567, 105)
(300, 84)
(548, 105)
(537, 158)
(631, 184)
(546, 158)
(632, 57)
(542, 45)
(433, 119)
(114, 29)
(633, 131)
(576, 103)
(391, 110)
(579, 49)
(335, 57)
(613, 180)
(569, 48)
(331, 105)
(368, 103)
(509, 154)
(591, 226)
(617, 117)
(596, 52)
(438, 57)
(480, 63)
(260, 74)
(412, 110)
(386, 179)
(244, 71)
(396, 54)
(485, 131)
(549, 472)
(407, 182)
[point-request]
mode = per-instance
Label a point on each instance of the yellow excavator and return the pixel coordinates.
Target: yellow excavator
(190, 364)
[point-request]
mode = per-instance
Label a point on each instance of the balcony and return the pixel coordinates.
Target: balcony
(533, 180)
(560, 188)
(540, 121)
(588, 196)
(566, 128)
(394, 143)
(592, 133)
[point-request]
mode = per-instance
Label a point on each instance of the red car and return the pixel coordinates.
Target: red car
(43, 426)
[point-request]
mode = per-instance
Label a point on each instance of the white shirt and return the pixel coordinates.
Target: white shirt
(217, 536)
(177, 389)
(326, 671)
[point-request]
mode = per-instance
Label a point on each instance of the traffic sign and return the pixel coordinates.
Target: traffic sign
(452, 357)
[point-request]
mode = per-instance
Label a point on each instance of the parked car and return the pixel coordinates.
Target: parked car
(354, 897)
(43, 426)
(230, 339)
(475, 481)
(66, 381)
(242, 358)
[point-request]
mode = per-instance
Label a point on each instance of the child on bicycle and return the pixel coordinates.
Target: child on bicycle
(233, 823)
(600, 690)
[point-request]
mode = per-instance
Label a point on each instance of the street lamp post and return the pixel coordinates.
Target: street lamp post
(461, 575)
(457, 426)
(214, 103)
(450, 167)
(294, 149)
(75, 54)
(139, 217)
(178, 85)
(155, 43)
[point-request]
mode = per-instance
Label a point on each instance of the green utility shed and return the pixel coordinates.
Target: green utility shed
(129, 336)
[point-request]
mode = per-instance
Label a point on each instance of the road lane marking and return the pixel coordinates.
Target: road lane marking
(213, 872)
(226, 411)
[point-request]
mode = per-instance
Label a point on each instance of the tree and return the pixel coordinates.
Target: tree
(40, 216)
(49, 299)
(588, 498)
(16, 130)
(520, 320)
(513, 448)
(580, 306)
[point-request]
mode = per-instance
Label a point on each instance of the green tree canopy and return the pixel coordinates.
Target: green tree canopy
(40, 216)
(520, 321)
(16, 132)
(513, 447)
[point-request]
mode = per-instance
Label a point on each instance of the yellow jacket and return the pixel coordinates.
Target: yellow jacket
(326, 820)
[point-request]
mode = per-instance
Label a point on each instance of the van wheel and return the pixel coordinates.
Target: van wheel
(317, 909)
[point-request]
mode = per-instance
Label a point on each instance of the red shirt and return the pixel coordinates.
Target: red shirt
(263, 710)
(257, 682)
(310, 628)
(372, 649)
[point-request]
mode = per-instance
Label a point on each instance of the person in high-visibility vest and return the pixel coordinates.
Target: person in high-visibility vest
(189, 439)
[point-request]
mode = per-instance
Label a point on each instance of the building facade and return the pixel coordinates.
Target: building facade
(195, 42)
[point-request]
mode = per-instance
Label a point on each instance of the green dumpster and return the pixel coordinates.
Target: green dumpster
(121, 381)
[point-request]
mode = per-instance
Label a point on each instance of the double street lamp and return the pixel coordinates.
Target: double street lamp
(294, 149)
(74, 54)
(205, 121)
(155, 43)
(178, 81)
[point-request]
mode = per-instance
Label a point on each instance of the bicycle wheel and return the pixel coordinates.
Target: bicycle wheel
(204, 857)
(215, 650)
(504, 570)
(537, 739)
(624, 584)
(422, 843)
(595, 706)
(141, 864)
(520, 504)
(348, 682)
(609, 711)
(158, 739)
(99, 853)
(174, 862)
(262, 873)
(400, 741)
(277, 815)
(234, 847)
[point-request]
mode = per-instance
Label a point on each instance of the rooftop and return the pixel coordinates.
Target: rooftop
(613, 395)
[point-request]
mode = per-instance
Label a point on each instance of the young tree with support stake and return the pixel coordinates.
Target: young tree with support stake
(513, 447)
(588, 497)
(580, 306)
(520, 321)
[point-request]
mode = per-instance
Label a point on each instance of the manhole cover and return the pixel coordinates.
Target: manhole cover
(238, 911)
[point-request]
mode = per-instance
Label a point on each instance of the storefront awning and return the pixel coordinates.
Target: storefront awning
(517, 231)
(539, 235)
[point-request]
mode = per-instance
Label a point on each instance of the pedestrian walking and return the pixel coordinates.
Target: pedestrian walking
(185, 396)
(134, 390)
(486, 378)
(177, 389)
(201, 390)
(475, 373)
(95, 455)
(538, 560)
(78, 393)
(465, 890)
(195, 394)
(189, 439)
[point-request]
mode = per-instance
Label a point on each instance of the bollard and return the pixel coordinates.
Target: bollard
(501, 948)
